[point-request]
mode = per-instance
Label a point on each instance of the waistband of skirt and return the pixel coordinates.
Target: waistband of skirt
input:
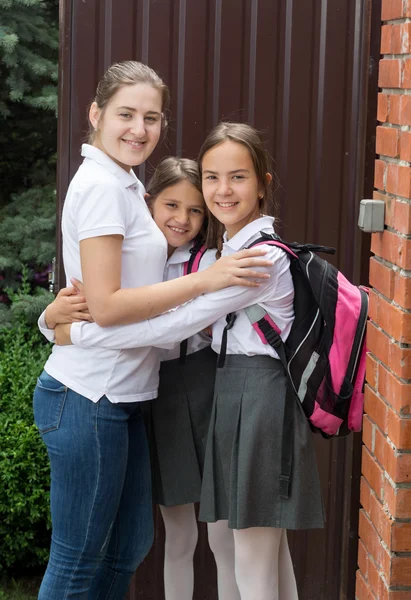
(251, 362)
(204, 354)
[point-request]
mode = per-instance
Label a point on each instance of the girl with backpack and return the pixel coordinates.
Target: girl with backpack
(242, 473)
(87, 401)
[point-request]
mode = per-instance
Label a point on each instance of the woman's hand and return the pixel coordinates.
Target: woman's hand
(69, 306)
(62, 334)
(236, 269)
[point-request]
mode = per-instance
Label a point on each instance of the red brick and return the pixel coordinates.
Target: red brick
(375, 408)
(396, 393)
(371, 371)
(402, 290)
(405, 40)
(363, 558)
(390, 73)
(399, 109)
(382, 111)
(396, 464)
(362, 589)
(406, 74)
(401, 537)
(373, 306)
(372, 472)
(382, 278)
(402, 213)
(375, 580)
(390, 318)
(407, 8)
(404, 145)
(387, 141)
(370, 538)
(386, 35)
(378, 343)
(399, 430)
(379, 174)
(398, 359)
(400, 571)
(365, 495)
(398, 180)
(391, 9)
(381, 521)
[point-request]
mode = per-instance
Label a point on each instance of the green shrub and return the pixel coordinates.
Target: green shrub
(24, 470)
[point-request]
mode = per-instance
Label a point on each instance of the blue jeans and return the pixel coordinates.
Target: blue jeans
(100, 495)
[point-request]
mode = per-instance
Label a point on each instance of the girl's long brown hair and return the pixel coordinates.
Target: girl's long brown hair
(247, 136)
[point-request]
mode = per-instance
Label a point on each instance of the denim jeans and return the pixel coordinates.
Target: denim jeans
(100, 495)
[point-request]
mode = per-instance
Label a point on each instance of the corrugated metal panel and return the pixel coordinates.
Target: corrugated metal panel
(298, 70)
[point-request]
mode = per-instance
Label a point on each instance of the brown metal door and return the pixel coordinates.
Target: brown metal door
(299, 71)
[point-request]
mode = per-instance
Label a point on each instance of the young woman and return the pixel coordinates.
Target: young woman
(87, 401)
(178, 419)
(241, 482)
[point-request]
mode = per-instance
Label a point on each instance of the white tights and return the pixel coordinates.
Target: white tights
(181, 540)
(263, 566)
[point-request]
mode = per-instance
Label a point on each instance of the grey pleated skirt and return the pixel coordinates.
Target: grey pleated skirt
(243, 455)
(177, 425)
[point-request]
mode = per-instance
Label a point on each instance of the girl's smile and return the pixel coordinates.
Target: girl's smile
(230, 186)
(179, 212)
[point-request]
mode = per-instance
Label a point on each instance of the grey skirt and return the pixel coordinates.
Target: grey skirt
(177, 425)
(243, 455)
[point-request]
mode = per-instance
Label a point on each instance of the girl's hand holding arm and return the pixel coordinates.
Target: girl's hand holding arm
(69, 306)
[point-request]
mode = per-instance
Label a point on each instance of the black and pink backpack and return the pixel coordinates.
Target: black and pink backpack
(324, 355)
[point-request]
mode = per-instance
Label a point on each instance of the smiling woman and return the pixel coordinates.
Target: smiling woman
(128, 129)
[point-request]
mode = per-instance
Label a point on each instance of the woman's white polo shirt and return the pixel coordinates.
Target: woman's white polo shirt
(103, 199)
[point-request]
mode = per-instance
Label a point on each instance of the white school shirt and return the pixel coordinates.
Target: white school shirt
(103, 199)
(175, 268)
(275, 295)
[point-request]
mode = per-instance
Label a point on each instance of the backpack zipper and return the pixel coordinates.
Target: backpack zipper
(359, 335)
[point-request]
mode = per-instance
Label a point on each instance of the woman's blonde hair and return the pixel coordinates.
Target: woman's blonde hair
(129, 72)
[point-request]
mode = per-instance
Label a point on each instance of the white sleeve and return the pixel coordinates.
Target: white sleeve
(100, 209)
(42, 325)
(183, 321)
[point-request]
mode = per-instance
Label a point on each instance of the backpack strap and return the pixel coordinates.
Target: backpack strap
(230, 320)
(269, 333)
(191, 266)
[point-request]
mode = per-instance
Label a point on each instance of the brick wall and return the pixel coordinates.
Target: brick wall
(384, 556)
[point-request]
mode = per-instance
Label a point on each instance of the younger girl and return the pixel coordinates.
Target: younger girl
(87, 400)
(178, 419)
(241, 481)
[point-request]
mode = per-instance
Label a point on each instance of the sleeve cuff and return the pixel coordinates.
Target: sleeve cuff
(42, 325)
(75, 333)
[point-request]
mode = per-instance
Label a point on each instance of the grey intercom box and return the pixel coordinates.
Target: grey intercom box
(371, 217)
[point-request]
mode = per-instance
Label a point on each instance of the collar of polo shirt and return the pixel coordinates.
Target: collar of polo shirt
(240, 239)
(100, 157)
